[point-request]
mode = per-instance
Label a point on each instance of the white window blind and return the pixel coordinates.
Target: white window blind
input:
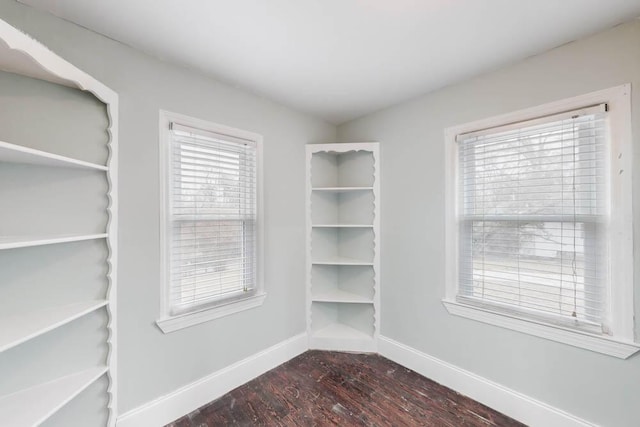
(533, 218)
(212, 225)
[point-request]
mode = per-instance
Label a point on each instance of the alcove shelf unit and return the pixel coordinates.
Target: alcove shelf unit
(343, 246)
(58, 240)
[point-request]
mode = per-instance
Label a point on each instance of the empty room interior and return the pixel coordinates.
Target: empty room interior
(319, 212)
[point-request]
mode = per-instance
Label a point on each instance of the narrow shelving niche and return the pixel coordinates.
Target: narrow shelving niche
(58, 239)
(342, 208)
(343, 241)
(336, 243)
(344, 323)
(342, 283)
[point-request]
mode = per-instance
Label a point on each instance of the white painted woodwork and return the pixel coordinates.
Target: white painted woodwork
(342, 283)
(342, 226)
(519, 406)
(21, 54)
(186, 399)
(12, 153)
(340, 189)
(343, 241)
(339, 242)
(342, 260)
(14, 242)
(29, 325)
(338, 295)
(34, 405)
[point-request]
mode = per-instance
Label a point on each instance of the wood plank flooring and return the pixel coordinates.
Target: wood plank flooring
(321, 388)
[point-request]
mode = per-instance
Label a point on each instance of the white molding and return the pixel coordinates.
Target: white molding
(598, 343)
(181, 321)
(186, 399)
(509, 402)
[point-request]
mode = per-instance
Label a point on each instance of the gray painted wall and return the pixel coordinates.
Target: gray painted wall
(599, 388)
(150, 363)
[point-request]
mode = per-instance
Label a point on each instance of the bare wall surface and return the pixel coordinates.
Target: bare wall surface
(598, 388)
(152, 364)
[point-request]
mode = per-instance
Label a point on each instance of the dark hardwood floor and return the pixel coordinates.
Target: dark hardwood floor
(321, 388)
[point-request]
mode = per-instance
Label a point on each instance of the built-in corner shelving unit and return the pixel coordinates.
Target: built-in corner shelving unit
(343, 246)
(58, 238)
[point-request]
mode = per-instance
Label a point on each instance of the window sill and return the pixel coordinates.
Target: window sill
(181, 321)
(586, 340)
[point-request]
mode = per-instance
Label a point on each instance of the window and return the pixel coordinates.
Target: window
(539, 226)
(210, 221)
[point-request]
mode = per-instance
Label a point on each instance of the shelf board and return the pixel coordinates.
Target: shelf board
(34, 405)
(341, 261)
(32, 324)
(11, 153)
(13, 242)
(340, 331)
(342, 226)
(338, 295)
(341, 189)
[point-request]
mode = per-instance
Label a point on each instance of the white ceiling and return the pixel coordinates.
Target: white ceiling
(340, 59)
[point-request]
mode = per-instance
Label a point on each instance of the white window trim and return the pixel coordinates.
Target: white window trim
(621, 343)
(168, 322)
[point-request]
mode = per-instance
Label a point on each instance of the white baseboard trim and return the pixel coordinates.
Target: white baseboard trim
(516, 405)
(174, 405)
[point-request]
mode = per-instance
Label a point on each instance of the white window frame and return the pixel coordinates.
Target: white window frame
(621, 341)
(170, 322)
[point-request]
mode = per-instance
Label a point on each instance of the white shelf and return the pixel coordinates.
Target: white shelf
(22, 55)
(341, 261)
(13, 242)
(341, 189)
(340, 331)
(343, 229)
(338, 295)
(32, 324)
(11, 153)
(342, 226)
(34, 405)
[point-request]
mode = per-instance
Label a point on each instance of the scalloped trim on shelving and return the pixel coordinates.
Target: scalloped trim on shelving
(24, 55)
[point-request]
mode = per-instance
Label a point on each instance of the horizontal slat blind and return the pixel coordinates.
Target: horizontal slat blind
(213, 218)
(532, 212)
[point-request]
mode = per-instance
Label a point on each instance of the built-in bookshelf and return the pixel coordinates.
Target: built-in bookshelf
(343, 241)
(58, 237)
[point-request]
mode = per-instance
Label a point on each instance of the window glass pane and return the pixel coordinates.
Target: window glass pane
(534, 202)
(535, 265)
(552, 169)
(213, 219)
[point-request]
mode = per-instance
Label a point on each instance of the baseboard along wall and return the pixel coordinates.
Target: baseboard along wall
(186, 399)
(511, 403)
(172, 406)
